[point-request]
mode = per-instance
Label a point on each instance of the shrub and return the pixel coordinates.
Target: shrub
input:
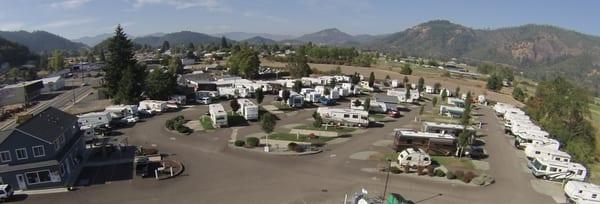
(439, 173)
(450, 175)
(395, 170)
(468, 177)
(430, 171)
(239, 143)
(292, 146)
(183, 129)
(459, 174)
(252, 141)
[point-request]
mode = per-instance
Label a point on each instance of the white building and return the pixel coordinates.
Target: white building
(52, 83)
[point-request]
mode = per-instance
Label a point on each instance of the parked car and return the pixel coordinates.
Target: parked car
(6, 192)
(476, 153)
(394, 113)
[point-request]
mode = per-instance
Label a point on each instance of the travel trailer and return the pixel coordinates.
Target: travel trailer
(451, 111)
(542, 152)
(95, 119)
(248, 109)
(178, 99)
(206, 97)
(414, 157)
(401, 94)
(120, 111)
(346, 117)
(578, 192)
(218, 116)
(296, 100)
(432, 143)
(522, 141)
(152, 106)
(374, 106)
(312, 97)
(445, 128)
(556, 170)
(233, 92)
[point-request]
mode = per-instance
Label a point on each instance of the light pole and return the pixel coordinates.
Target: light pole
(387, 178)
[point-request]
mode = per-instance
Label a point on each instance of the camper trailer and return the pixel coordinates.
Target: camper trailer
(451, 111)
(120, 111)
(395, 83)
(178, 99)
(312, 97)
(432, 143)
(218, 116)
(445, 128)
(578, 192)
(346, 117)
(429, 89)
(374, 106)
(414, 157)
(556, 170)
(233, 92)
(296, 100)
(542, 152)
(456, 102)
(522, 141)
(152, 106)
(248, 109)
(96, 119)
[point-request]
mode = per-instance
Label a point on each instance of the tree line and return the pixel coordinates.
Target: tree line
(331, 55)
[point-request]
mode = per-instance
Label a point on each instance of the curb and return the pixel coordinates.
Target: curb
(275, 153)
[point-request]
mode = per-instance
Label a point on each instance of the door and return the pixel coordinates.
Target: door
(21, 182)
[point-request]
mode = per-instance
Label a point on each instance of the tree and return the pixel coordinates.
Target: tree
(494, 83)
(437, 87)
(43, 63)
(298, 65)
(387, 77)
(407, 95)
(165, 46)
(406, 70)
(434, 101)
(244, 62)
(297, 87)
(367, 104)
(285, 95)
(102, 56)
(371, 79)
(355, 78)
(175, 65)
(224, 43)
(160, 84)
(519, 94)
(405, 80)
(326, 92)
(444, 94)
(421, 84)
(131, 85)
(123, 78)
(235, 106)
(318, 120)
(268, 122)
(57, 61)
(457, 91)
(259, 95)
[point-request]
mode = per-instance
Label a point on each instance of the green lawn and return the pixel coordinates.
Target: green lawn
(300, 138)
(282, 106)
(206, 123)
(330, 128)
(454, 162)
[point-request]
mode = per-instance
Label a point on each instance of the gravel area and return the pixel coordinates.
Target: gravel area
(363, 155)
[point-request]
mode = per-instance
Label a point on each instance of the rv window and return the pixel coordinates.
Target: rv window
(537, 152)
(552, 169)
(557, 159)
(408, 141)
(579, 172)
(365, 118)
(346, 116)
(594, 195)
(354, 116)
(426, 159)
(408, 158)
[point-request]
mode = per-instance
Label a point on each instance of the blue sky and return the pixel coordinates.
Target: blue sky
(77, 18)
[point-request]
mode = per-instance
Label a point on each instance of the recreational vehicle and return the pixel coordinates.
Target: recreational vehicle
(451, 111)
(445, 128)
(542, 152)
(248, 109)
(120, 111)
(346, 117)
(522, 141)
(414, 157)
(432, 143)
(153, 106)
(96, 119)
(456, 102)
(429, 89)
(218, 116)
(556, 170)
(233, 92)
(578, 192)
(178, 99)
(395, 83)
(401, 94)
(296, 101)
(374, 106)
(312, 97)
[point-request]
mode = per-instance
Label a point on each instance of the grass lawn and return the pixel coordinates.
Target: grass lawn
(300, 138)
(378, 116)
(454, 163)
(330, 128)
(282, 106)
(206, 123)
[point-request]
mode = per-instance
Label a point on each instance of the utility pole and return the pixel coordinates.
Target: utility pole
(387, 178)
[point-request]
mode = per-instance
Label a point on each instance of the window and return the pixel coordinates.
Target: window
(579, 172)
(408, 158)
(346, 115)
(553, 169)
(594, 195)
(5, 156)
(355, 116)
(38, 151)
(21, 153)
(537, 152)
(38, 177)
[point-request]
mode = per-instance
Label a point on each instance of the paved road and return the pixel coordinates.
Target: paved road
(217, 174)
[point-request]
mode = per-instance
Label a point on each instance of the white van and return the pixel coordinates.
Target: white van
(414, 157)
(582, 193)
(555, 170)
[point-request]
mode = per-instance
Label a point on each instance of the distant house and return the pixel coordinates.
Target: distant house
(44, 151)
(24, 92)
(188, 61)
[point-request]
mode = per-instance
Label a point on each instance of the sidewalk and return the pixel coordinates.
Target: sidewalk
(41, 191)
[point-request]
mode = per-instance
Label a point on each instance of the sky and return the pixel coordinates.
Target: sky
(77, 18)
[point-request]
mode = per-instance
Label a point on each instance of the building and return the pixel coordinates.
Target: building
(52, 83)
(44, 151)
(24, 92)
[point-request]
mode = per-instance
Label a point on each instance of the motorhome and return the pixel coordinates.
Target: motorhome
(542, 152)
(556, 170)
(522, 141)
(414, 157)
(395, 83)
(401, 94)
(312, 97)
(233, 92)
(296, 100)
(120, 111)
(248, 109)
(432, 143)
(152, 106)
(579, 192)
(451, 111)
(218, 116)
(95, 119)
(346, 117)
(481, 99)
(429, 89)
(456, 102)
(446, 128)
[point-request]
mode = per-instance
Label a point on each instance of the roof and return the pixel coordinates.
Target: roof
(410, 133)
(580, 185)
(48, 124)
(22, 84)
(200, 77)
(387, 99)
(560, 163)
(50, 79)
(446, 126)
(4, 134)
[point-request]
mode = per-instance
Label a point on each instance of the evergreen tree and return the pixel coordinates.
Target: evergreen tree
(235, 106)
(519, 94)
(259, 95)
(371, 79)
(131, 85)
(102, 57)
(224, 44)
(457, 91)
(367, 104)
(355, 78)
(421, 85)
(175, 65)
(165, 46)
(407, 96)
(405, 80)
(123, 78)
(43, 62)
(268, 122)
(437, 87)
(297, 86)
(494, 83)
(160, 84)
(434, 101)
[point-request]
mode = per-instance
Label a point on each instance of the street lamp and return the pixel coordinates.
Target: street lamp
(387, 178)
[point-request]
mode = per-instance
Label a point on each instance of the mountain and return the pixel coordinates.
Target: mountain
(257, 40)
(239, 36)
(93, 40)
(41, 41)
(177, 38)
(13, 53)
(537, 50)
(331, 36)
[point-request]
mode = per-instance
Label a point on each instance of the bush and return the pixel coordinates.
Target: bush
(430, 171)
(292, 146)
(252, 141)
(450, 175)
(183, 129)
(459, 174)
(468, 177)
(439, 173)
(395, 170)
(239, 143)
(483, 179)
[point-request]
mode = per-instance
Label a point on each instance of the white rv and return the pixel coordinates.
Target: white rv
(248, 109)
(347, 117)
(218, 115)
(95, 119)
(451, 111)
(401, 94)
(153, 106)
(556, 170)
(296, 100)
(578, 192)
(445, 128)
(374, 106)
(429, 89)
(312, 97)
(232, 92)
(395, 83)
(522, 141)
(542, 152)
(120, 111)
(414, 157)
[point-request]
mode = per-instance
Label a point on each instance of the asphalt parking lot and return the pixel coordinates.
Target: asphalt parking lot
(218, 174)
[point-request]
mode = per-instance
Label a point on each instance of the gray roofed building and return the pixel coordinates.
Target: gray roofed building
(49, 124)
